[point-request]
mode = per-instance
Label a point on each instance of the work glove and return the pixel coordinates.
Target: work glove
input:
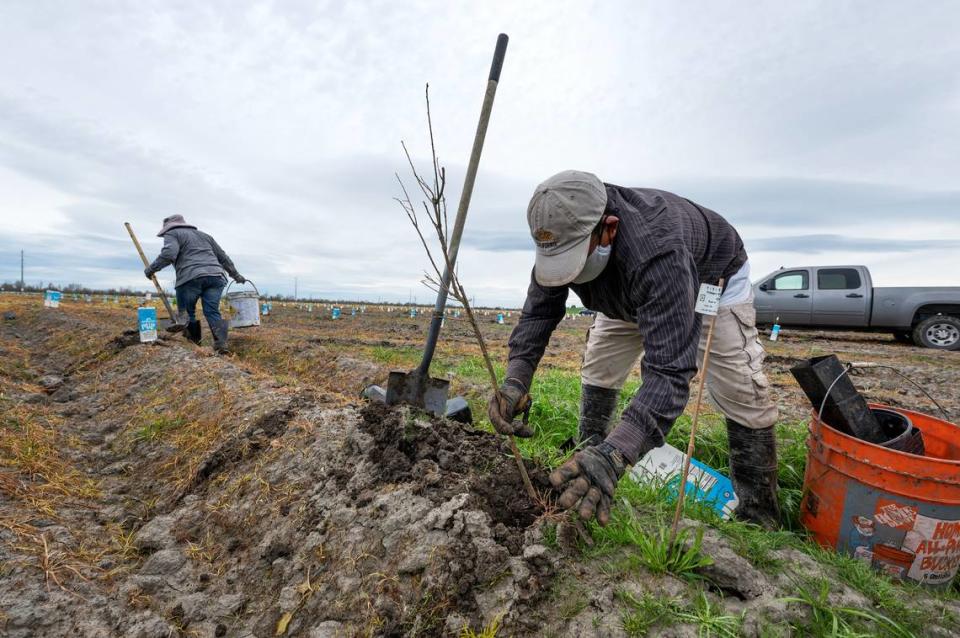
(148, 272)
(505, 405)
(239, 279)
(588, 481)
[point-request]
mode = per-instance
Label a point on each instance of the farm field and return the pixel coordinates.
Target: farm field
(153, 490)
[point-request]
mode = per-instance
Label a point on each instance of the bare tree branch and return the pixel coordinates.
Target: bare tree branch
(436, 212)
(412, 216)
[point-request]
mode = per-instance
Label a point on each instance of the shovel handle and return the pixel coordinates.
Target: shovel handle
(153, 278)
(498, 54)
(453, 246)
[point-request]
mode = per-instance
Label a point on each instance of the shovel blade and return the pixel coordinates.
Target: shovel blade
(419, 390)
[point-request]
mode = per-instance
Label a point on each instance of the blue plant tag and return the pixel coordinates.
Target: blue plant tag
(704, 484)
(147, 320)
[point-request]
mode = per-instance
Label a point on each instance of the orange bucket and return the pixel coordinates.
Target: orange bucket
(898, 512)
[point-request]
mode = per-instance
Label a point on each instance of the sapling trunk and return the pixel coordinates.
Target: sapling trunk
(460, 294)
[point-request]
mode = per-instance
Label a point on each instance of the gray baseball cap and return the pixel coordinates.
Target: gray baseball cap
(563, 212)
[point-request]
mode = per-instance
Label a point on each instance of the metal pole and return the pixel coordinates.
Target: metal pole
(21, 271)
(146, 264)
(465, 195)
(693, 432)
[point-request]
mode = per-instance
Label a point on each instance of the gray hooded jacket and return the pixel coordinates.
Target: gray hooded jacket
(193, 254)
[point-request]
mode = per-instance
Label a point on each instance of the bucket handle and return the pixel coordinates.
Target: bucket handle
(247, 281)
(861, 365)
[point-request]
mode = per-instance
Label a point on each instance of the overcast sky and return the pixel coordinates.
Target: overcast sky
(826, 132)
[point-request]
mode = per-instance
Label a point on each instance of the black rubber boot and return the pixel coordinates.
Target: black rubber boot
(193, 332)
(220, 329)
(753, 471)
(597, 406)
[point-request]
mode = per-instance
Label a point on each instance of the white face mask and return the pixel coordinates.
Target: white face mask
(596, 262)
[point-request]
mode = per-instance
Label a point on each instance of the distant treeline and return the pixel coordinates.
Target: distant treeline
(72, 288)
(80, 289)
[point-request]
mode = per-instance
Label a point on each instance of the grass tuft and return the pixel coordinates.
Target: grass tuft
(829, 620)
(488, 631)
(650, 611)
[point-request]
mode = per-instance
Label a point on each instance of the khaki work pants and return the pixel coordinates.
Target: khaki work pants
(735, 377)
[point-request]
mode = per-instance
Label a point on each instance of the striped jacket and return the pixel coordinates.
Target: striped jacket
(665, 247)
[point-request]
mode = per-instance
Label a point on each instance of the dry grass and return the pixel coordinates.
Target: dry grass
(41, 481)
(33, 467)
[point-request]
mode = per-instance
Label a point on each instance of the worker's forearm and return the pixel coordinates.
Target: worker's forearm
(521, 370)
(657, 404)
(642, 428)
(227, 264)
(159, 263)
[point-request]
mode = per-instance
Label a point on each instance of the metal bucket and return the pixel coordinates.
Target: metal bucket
(245, 305)
(896, 511)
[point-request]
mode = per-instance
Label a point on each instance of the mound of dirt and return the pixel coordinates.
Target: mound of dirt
(445, 458)
(223, 505)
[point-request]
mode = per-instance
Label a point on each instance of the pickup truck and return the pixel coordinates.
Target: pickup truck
(843, 298)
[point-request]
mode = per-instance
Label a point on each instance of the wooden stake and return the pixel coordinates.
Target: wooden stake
(146, 264)
(693, 431)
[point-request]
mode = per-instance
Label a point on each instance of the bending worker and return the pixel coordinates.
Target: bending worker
(638, 256)
(200, 264)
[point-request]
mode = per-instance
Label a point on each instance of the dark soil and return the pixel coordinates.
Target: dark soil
(443, 457)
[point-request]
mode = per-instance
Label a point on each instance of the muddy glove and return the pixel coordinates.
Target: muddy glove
(148, 273)
(239, 278)
(504, 407)
(590, 478)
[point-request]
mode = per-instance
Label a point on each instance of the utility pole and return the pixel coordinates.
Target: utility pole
(294, 288)
(21, 270)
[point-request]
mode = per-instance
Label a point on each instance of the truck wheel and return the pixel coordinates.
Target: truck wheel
(903, 337)
(941, 332)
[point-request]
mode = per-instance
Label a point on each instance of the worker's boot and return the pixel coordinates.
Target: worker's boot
(193, 332)
(219, 328)
(597, 406)
(753, 471)
(180, 322)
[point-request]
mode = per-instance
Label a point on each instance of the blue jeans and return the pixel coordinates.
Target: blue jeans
(208, 290)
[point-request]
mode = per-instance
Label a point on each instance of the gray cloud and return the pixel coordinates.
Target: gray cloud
(276, 127)
(498, 241)
(817, 244)
(819, 203)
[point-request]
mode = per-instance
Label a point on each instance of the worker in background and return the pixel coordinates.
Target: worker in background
(200, 264)
(637, 256)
